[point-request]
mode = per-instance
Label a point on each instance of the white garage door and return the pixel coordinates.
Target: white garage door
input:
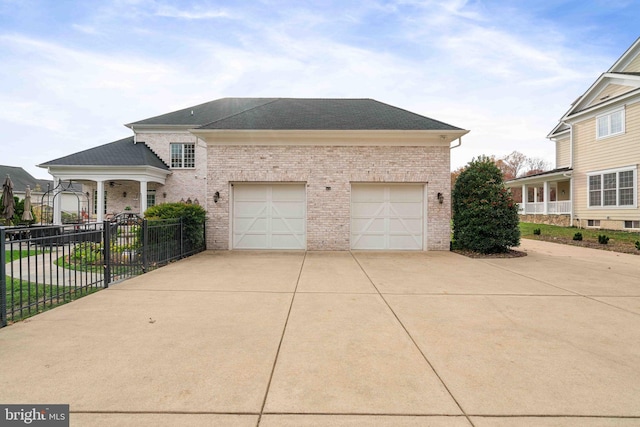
(387, 216)
(269, 216)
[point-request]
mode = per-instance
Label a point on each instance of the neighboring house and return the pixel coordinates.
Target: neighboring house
(43, 197)
(595, 183)
(284, 173)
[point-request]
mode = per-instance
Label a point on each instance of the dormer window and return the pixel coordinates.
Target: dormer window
(610, 124)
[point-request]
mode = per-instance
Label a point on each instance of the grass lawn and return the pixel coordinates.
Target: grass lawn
(25, 299)
(619, 241)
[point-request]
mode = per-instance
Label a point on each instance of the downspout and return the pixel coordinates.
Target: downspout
(456, 146)
(135, 136)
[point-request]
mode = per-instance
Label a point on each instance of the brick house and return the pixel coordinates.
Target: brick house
(284, 173)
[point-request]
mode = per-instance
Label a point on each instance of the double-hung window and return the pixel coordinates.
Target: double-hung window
(610, 124)
(183, 155)
(613, 188)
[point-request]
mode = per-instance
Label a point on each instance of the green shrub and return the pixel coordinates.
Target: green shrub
(577, 236)
(603, 239)
(485, 217)
(638, 245)
(536, 231)
(192, 217)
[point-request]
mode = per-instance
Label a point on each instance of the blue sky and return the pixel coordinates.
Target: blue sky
(73, 72)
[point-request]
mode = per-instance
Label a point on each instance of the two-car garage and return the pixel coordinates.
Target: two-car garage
(274, 216)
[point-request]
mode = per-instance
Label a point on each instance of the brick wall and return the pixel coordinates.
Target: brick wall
(182, 183)
(328, 212)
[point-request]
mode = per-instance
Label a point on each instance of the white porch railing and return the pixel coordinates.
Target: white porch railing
(537, 208)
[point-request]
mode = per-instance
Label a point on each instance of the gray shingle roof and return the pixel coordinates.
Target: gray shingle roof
(21, 178)
(297, 114)
(118, 153)
(205, 113)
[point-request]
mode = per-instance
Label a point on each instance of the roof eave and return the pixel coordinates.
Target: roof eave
(328, 137)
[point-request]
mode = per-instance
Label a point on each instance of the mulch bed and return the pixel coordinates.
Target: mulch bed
(510, 254)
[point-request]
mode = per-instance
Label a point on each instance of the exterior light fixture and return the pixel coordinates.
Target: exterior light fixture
(440, 198)
(216, 197)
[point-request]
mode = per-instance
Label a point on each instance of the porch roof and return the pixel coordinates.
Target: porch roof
(551, 175)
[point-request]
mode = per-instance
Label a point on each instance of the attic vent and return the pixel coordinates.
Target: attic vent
(192, 112)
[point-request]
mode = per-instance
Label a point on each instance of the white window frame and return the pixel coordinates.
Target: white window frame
(183, 159)
(617, 171)
(607, 116)
(632, 223)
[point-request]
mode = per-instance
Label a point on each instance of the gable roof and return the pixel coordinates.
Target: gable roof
(124, 152)
(618, 74)
(296, 114)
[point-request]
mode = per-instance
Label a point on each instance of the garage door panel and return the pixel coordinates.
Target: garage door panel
(287, 209)
(368, 193)
(405, 226)
(250, 208)
(290, 225)
(269, 216)
(366, 209)
(287, 192)
(387, 216)
(251, 241)
(251, 224)
(367, 224)
(401, 194)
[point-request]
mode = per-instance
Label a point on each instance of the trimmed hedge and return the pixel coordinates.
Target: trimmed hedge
(192, 217)
(485, 217)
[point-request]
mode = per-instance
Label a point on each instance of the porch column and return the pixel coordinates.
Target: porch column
(57, 201)
(143, 197)
(100, 201)
(545, 198)
(525, 198)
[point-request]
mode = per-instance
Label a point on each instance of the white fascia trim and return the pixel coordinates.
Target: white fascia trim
(329, 137)
(626, 57)
(538, 179)
(109, 173)
(597, 109)
(158, 128)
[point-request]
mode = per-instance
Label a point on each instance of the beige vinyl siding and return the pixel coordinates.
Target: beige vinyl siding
(611, 91)
(563, 152)
(634, 66)
(591, 155)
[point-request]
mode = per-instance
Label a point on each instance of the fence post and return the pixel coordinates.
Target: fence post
(145, 242)
(106, 253)
(3, 279)
(181, 238)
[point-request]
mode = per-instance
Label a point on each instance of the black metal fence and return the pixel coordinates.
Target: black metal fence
(45, 266)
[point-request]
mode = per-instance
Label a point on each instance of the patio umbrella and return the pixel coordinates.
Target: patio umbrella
(26, 215)
(8, 204)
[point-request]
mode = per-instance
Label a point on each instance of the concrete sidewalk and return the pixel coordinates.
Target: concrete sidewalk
(344, 339)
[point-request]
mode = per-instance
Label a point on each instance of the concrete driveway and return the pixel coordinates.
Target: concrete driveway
(344, 339)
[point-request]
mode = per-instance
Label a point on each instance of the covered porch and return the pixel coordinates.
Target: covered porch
(116, 177)
(547, 193)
